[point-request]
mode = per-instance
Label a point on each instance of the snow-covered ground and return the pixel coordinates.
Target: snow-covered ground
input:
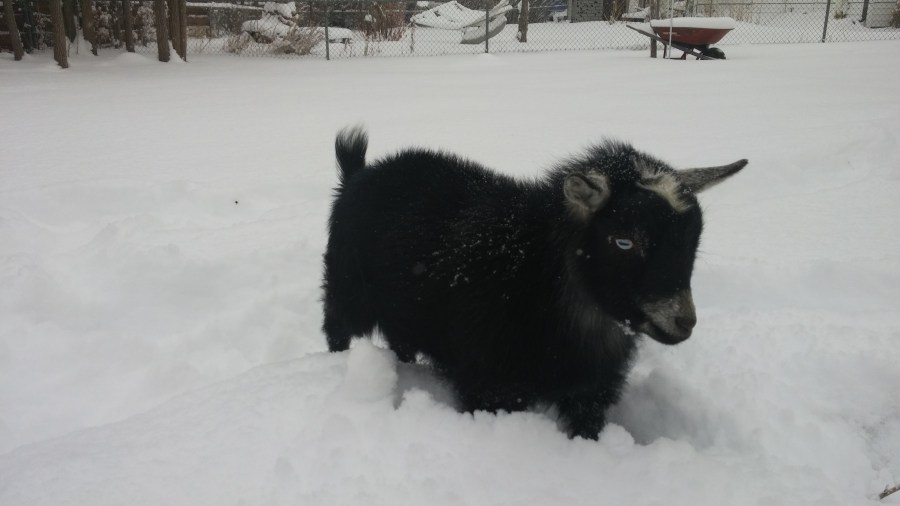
(161, 232)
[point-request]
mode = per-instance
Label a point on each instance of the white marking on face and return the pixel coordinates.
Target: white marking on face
(664, 184)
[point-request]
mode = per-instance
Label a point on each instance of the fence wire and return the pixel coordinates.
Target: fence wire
(345, 29)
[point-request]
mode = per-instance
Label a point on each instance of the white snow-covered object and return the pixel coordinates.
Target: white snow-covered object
(722, 23)
(337, 34)
(268, 27)
(637, 15)
(449, 16)
(285, 10)
(274, 26)
(477, 34)
(455, 16)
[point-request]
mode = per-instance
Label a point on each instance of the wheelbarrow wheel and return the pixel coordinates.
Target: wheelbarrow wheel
(714, 52)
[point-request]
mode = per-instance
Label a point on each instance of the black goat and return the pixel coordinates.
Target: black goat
(518, 292)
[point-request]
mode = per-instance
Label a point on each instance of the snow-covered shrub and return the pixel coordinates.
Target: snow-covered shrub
(385, 22)
(237, 43)
(145, 24)
(106, 22)
(841, 8)
(281, 28)
(226, 19)
(43, 34)
(299, 40)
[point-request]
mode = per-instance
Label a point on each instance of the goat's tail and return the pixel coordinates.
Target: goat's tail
(350, 149)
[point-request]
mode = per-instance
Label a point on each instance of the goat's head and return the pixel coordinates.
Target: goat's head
(641, 228)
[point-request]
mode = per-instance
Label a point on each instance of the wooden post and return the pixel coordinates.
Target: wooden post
(178, 15)
(183, 16)
(174, 25)
(487, 25)
(14, 38)
(654, 14)
(522, 35)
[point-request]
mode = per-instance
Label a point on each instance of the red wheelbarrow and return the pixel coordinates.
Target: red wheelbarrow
(692, 36)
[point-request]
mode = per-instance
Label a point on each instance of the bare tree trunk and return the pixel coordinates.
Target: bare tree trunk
(59, 34)
(162, 29)
(127, 23)
(179, 27)
(88, 27)
(68, 12)
(14, 38)
(522, 36)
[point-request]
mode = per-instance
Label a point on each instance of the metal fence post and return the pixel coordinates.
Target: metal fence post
(327, 22)
(487, 24)
(827, 13)
(654, 14)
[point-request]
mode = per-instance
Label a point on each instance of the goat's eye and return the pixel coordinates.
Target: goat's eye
(624, 244)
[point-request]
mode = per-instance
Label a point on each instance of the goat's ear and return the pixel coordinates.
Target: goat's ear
(586, 193)
(698, 180)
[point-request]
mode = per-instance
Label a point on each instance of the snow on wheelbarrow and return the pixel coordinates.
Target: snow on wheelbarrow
(470, 22)
(691, 35)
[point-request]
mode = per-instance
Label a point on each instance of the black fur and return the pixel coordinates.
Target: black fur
(511, 294)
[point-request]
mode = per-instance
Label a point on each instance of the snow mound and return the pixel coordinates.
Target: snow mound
(371, 373)
(356, 428)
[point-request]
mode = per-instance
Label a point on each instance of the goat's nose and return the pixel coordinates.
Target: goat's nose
(686, 323)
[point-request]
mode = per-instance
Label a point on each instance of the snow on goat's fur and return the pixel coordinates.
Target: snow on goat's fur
(517, 291)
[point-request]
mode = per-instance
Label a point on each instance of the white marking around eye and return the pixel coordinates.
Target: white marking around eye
(624, 244)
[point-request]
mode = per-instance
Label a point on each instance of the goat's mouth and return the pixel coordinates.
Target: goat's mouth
(670, 320)
(659, 335)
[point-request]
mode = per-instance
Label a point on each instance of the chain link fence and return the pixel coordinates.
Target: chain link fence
(335, 29)
(345, 29)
